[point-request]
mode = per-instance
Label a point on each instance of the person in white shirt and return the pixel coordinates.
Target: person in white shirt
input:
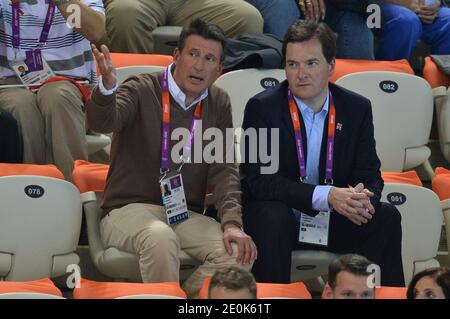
(51, 119)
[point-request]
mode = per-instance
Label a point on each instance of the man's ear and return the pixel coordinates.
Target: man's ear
(327, 292)
(176, 55)
(331, 67)
(219, 71)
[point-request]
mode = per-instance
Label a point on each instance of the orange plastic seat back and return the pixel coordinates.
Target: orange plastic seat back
(441, 183)
(385, 293)
(88, 176)
(347, 66)
(409, 177)
(390, 293)
(434, 76)
(295, 290)
(42, 286)
(109, 290)
(30, 169)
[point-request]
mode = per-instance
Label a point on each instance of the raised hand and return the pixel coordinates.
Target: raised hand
(106, 67)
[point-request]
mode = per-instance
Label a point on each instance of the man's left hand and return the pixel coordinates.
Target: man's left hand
(247, 252)
(428, 14)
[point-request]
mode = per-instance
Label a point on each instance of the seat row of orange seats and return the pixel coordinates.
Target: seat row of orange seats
(432, 74)
(92, 176)
(88, 289)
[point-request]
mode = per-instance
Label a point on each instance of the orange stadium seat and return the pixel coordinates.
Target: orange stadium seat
(347, 66)
(441, 186)
(296, 290)
(387, 293)
(41, 286)
(406, 192)
(90, 179)
(441, 183)
(409, 177)
(440, 82)
(89, 176)
(111, 290)
(30, 169)
(37, 201)
(434, 76)
(390, 293)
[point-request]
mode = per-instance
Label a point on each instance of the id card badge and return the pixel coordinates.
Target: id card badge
(174, 200)
(314, 230)
(34, 70)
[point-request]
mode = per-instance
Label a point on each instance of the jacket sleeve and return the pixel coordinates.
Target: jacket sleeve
(111, 113)
(366, 167)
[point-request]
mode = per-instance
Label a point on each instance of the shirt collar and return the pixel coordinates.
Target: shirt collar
(179, 95)
(303, 107)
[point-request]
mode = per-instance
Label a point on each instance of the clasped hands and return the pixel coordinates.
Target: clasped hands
(353, 203)
(426, 13)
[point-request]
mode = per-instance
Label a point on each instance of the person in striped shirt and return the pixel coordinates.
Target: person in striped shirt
(58, 32)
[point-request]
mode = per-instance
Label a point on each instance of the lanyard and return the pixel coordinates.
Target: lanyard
(15, 4)
(295, 116)
(166, 125)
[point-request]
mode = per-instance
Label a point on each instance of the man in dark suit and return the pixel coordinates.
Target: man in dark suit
(327, 163)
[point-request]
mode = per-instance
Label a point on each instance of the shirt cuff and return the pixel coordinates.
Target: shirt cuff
(105, 91)
(320, 198)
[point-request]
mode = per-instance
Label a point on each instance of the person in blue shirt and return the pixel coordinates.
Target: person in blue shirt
(407, 21)
(355, 39)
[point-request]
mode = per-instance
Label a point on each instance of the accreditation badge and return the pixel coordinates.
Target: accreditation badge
(314, 230)
(174, 199)
(34, 70)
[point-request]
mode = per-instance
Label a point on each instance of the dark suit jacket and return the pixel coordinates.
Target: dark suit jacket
(355, 159)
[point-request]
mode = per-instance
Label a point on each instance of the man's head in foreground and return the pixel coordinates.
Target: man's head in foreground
(232, 283)
(348, 278)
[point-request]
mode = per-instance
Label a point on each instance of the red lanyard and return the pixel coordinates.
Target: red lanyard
(295, 116)
(165, 141)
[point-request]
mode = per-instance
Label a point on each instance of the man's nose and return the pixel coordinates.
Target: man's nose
(302, 72)
(199, 64)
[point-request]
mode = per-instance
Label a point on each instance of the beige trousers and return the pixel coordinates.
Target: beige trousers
(129, 23)
(52, 123)
(143, 229)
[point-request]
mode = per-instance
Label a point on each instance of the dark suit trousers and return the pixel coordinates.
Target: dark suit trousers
(274, 229)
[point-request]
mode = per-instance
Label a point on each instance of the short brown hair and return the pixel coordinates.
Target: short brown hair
(233, 278)
(355, 264)
(206, 30)
(304, 30)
